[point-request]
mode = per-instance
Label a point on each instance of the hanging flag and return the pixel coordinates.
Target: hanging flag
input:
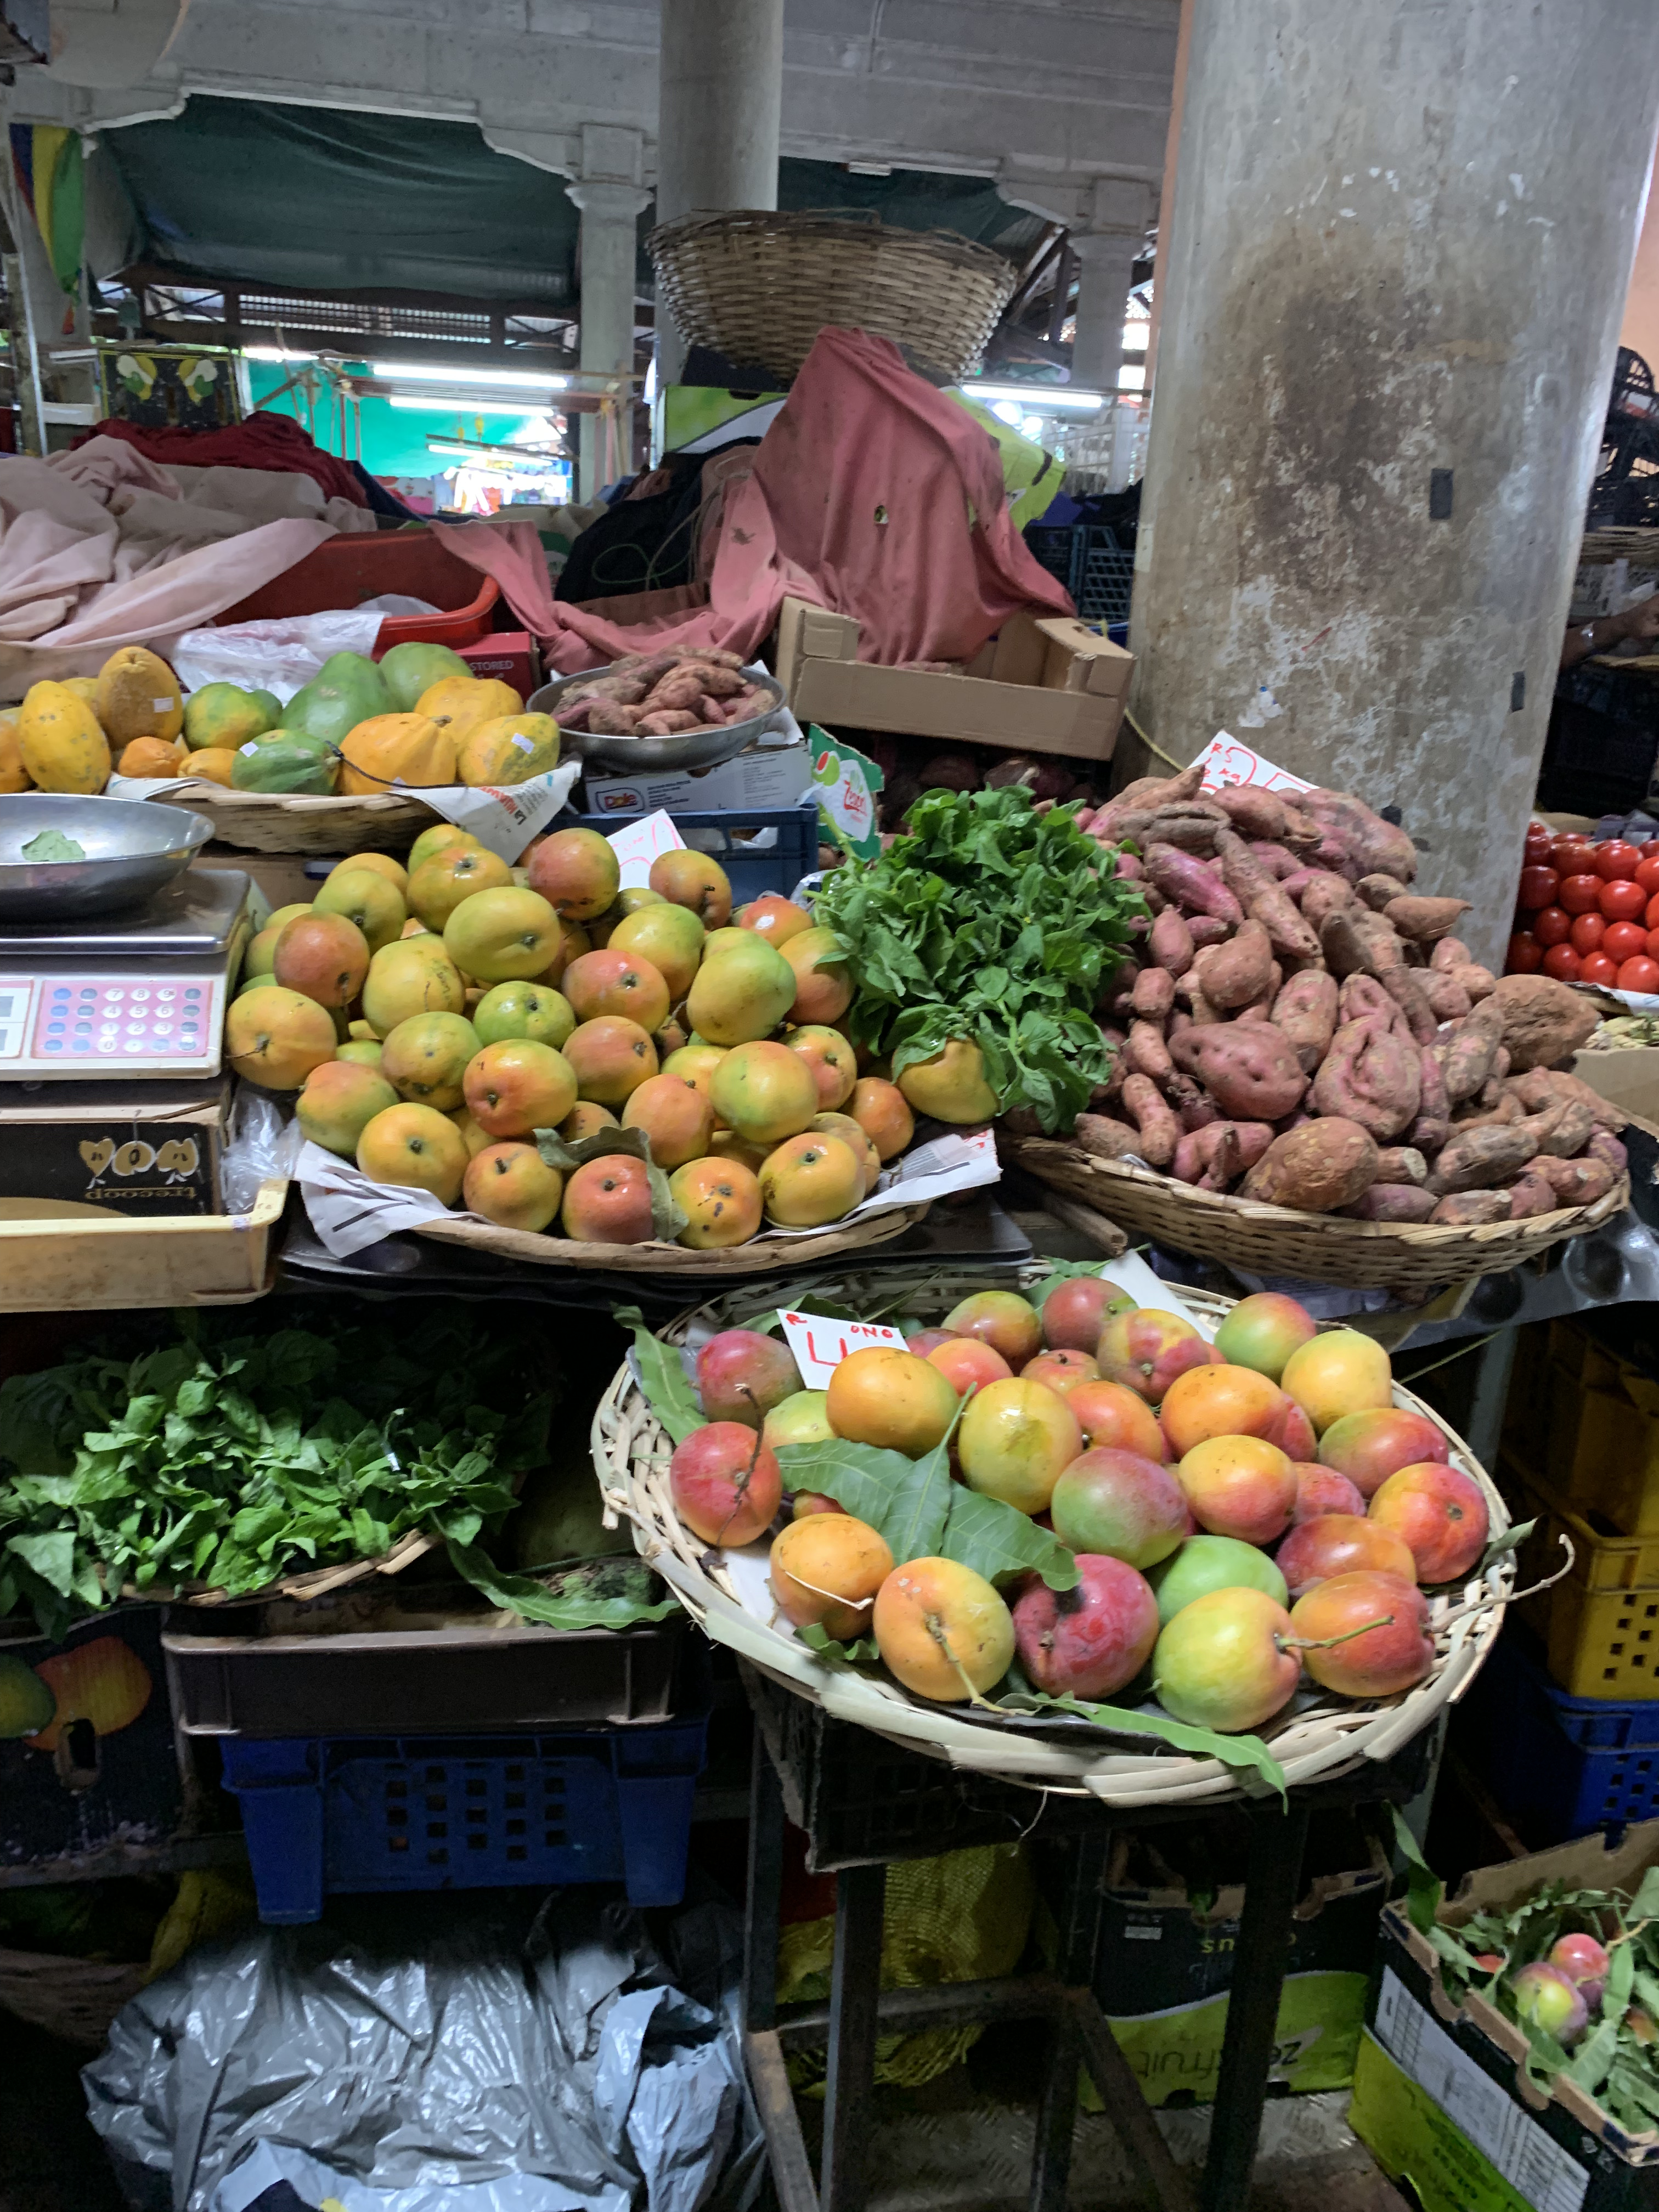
(46, 160)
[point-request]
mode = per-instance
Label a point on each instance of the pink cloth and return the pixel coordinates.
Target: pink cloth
(872, 493)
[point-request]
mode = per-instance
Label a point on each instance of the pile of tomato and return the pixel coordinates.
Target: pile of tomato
(1589, 912)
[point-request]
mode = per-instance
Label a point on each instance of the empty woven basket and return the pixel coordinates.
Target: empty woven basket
(758, 286)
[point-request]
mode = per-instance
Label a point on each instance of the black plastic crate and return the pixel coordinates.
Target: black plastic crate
(1603, 737)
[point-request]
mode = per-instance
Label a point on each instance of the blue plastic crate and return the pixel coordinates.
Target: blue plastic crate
(1086, 556)
(777, 866)
(368, 1812)
(1563, 1766)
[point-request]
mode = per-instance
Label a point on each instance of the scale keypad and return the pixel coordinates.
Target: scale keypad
(94, 1018)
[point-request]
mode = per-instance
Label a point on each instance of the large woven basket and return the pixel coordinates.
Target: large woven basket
(758, 286)
(272, 822)
(1414, 1259)
(762, 1256)
(1328, 1735)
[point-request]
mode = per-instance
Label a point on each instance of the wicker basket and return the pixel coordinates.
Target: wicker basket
(271, 822)
(1328, 1736)
(759, 286)
(762, 1255)
(1412, 1259)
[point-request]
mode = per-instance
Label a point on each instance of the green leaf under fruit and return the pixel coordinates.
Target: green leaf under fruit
(1241, 1751)
(663, 1378)
(667, 1217)
(997, 1541)
(860, 1651)
(582, 1601)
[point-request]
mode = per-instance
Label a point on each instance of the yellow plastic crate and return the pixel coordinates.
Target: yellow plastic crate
(1603, 1454)
(1599, 1625)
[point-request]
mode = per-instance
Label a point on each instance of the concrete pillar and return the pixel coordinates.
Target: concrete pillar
(610, 195)
(1105, 260)
(1400, 243)
(720, 112)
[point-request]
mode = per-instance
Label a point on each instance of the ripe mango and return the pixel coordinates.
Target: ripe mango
(742, 994)
(221, 716)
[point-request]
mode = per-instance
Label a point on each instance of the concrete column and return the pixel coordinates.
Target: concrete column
(1400, 243)
(610, 196)
(1104, 259)
(720, 112)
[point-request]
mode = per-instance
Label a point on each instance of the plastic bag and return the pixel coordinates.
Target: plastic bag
(281, 655)
(264, 1142)
(447, 2056)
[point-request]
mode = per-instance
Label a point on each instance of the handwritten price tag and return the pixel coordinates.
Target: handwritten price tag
(642, 842)
(820, 1345)
(1227, 761)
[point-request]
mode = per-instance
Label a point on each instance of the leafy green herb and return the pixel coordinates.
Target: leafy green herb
(990, 922)
(52, 844)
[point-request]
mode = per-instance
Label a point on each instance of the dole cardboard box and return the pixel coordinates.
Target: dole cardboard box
(1441, 2094)
(139, 1150)
(764, 778)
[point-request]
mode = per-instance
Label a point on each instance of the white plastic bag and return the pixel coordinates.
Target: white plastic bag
(264, 1142)
(281, 655)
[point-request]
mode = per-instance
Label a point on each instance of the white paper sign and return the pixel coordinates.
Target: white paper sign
(640, 844)
(820, 1345)
(1227, 761)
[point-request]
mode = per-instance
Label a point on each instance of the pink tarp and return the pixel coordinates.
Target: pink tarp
(872, 493)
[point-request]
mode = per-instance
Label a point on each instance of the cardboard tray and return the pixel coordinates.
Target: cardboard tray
(176, 1259)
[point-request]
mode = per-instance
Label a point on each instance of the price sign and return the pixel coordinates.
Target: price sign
(820, 1345)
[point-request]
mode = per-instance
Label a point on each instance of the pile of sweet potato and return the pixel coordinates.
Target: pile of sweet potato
(1301, 1028)
(658, 695)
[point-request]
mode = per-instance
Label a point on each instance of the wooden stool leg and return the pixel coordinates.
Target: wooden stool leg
(849, 2081)
(1051, 2152)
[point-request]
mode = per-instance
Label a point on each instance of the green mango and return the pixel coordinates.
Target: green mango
(410, 669)
(346, 690)
(286, 760)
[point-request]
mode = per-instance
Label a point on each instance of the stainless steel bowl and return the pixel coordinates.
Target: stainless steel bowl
(131, 848)
(691, 749)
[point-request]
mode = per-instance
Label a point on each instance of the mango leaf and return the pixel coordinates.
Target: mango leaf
(666, 1385)
(570, 1607)
(1425, 1889)
(996, 1541)
(904, 1500)
(667, 1217)
(860, 1652)
(1510, 1541)
(1241, 1751)
(1067, 1271)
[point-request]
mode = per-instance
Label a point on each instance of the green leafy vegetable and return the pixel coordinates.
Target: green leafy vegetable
(52, 844)
(990, 922)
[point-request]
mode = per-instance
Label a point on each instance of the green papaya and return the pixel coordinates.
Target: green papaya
(272, 705)
(286, 760)
(346, 690)
(224, 715)
(410, 669)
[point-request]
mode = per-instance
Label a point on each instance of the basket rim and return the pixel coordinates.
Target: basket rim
(657, 1257)
(631, 1455)
(864, 226)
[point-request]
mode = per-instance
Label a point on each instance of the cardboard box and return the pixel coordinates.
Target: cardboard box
(1049, 686)
(279, 878)
(1629, 1079)
(139, 1150)
(512, 654)
(764, 778)
(1165, 1967)
(1451, 2110)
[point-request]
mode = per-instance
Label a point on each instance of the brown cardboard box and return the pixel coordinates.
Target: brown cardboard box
(280, 878)
(1630, 1079)
(138, 1150)
(1049, 686)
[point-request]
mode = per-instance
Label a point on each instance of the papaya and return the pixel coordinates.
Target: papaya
(389, 750)
(215, 762)
(346, 689)
(138, 697)
(285, 761)
(14, 776)
(460, 706)
(63, 748)
(84, 687)
(224, 715)
(412, 669)
(151, 756)
(509, 749)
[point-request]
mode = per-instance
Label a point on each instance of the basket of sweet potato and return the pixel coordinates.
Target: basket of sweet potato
(1313, 1077)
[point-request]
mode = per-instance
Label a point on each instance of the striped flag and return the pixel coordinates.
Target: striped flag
(46, 160)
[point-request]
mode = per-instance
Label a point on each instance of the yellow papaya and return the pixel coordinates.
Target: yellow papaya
(214, 762)
(138, 697)
(84, 687)
(390, 750)
(509, 749)
(460, 704)
(14, 776)
(63, 747)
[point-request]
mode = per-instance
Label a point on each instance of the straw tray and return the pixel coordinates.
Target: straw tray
(1318, 1736)
(762, 1255)
(272, 821)
(759, 285)
(1412, 1259)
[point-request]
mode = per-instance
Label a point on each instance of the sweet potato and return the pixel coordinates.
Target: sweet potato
(1276, 859)
(668, 722)
(1129, 866)
(1449, 952)
(1106, 1139)
(1152, 997)
(1393, 1201)
(1447, 999)
(1216, 1157)
(1169, 946)
(680, 690)
(1425, 921)
(1435, 1102)
(1470, 1209)
(1544, 1021)
(1252, 812)
(1539, 1085)
(1362, 996)
(1376, 891)
(1247, 1068)
(1467, 1054)
(1194, 1108)
(1576, 1183)
(1294, 885)
(1377, 846)
(1315, 1169)
(1469, 976)
(1564, 1129)
(1145, 1052)
(1153, 1118)
(1191, 884)
(606, 719)
(1403, 987)
(1607, 1147)
(719, 682)
(1401, 1163)
(1372, 1077)
(1190, 988)
(1531, 1195)
(1208, 929)
(1344, 945)
(1258, 892)
(1234, 974)
(1323, 893)
(1148, 793)
(1305, 1012)
(1476, 1159)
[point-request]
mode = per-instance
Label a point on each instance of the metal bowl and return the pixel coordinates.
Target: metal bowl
(131, 848)
(689, 749)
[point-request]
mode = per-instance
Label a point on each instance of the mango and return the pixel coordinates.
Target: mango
(509, 749)
(743, 995)
(460, 705)
(409, 670)
(414, 976)
(950, 1086)
(339, 1101)
(346, 689)
(385, 752)
(14, 776)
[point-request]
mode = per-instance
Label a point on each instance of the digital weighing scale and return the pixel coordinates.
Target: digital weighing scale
(135, 994)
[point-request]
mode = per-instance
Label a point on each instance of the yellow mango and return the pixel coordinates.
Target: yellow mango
(509, 749)
(63, 748)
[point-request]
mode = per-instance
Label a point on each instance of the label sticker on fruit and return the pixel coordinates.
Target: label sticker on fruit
(1228, 760)
(640, 844)
(820, 1345)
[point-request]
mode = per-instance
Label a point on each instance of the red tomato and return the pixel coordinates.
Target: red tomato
(1653, 945)
(1649, 848)
(1552, 925)
(1623, 940)
(1596, 967)
(1524, 956)
(1581, 894)
(1639, 975)
(1622, 899)
(1569, 845)
(1617, 858)
(1538, 888)
(1647, 874)
(1587, 932)
(1562, 962)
